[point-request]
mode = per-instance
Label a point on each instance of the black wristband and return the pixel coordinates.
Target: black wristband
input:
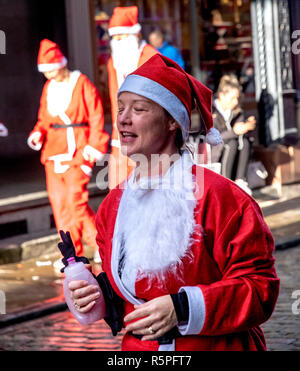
(181, 305)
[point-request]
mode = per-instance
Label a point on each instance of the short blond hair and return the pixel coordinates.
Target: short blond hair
(228, 82)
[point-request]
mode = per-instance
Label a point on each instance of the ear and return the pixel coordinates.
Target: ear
(173, 125)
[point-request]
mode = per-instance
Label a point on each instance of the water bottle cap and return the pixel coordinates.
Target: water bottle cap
(71, 260)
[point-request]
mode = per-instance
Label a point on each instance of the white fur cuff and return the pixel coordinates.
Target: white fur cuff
(91, 151)
(35, 136)
(196, 311)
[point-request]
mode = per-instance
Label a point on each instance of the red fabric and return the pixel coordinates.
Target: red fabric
(49, 52)
(120, 164)
(124, 17)
(68, 196)
(85, 106)
(184, 86)
(68, 192)
(232, 264)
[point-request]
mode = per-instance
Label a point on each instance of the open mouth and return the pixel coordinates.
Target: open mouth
(127, 136)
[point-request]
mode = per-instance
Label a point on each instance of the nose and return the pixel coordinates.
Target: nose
(124, 117)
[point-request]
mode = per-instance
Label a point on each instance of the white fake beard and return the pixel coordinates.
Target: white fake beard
(60, 94)
(155, 230)
(125, 55)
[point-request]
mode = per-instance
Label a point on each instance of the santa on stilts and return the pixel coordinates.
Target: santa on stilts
(129, 51)
(70, 132)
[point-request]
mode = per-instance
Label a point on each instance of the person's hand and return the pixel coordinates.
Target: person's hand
(154, 318)
(83, 295)
(90, 158)
(241, 128)
(36, 139)
(251, 123)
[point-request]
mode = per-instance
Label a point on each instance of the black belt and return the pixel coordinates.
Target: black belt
(64, 126)
(167, 338)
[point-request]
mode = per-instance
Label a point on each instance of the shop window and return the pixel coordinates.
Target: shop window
(224, 33)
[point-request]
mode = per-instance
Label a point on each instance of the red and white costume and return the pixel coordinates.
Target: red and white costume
(70, 127)
(123, 21)
(226, 268)
(190, 229)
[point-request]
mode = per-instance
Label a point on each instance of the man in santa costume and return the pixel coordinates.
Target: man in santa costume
(186, 251)
(70, 132)
(129, 51)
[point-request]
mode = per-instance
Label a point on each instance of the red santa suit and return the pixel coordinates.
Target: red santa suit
(207, 237)
(123, 21)
(189, 230)
(70, 127)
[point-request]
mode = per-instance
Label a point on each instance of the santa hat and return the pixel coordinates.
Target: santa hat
(124, 21)
(163, 81)
(50, 57)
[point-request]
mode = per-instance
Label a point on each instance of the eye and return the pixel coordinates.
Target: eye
(139, 109)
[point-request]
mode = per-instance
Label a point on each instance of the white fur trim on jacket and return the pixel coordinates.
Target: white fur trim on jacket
(154, 225)
(87, 170)
(36, 135)
(91, 151)
(58, 108)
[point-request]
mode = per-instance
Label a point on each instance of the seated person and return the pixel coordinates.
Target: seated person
(235, 131)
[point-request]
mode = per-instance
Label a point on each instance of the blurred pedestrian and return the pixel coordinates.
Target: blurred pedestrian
(186, 250)
(158, 41)
(236, 132)
(70, 132)
(129, 51)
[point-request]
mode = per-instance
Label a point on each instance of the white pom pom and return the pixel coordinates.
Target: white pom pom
(213, 137)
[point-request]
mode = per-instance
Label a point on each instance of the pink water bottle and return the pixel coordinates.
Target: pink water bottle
(76, 271)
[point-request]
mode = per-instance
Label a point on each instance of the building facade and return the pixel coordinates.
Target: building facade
(258, 40)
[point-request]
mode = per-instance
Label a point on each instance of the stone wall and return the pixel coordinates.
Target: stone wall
(25, 23)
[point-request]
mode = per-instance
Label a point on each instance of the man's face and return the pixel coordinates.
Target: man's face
(229, 99)
(57, 75)
(120, 36)
(155, 40)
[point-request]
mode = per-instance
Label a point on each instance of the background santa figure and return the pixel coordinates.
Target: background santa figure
(128, 51)
(70, 132)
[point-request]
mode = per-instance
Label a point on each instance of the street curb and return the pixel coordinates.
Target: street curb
(286, 244)
(45, 310)
(32, 314)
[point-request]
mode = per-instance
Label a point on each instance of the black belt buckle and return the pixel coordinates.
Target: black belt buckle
(168, 337)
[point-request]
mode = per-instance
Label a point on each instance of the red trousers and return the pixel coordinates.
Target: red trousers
(68, 196)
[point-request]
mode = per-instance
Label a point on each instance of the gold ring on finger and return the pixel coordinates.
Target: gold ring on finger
(151, 331)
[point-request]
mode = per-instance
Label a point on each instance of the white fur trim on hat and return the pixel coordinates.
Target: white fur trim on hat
(159, 94)
(48, 67)
(124, 30)
(213, 137)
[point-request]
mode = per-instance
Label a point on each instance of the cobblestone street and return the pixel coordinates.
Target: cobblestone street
(61, 331)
